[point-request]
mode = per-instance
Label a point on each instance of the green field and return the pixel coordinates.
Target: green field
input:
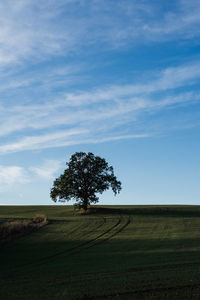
(124, 252)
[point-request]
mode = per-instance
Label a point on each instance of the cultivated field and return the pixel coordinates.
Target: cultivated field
(124, 252)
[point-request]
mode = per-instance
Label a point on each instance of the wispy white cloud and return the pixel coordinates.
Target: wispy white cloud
(180, 22)
(73, 108)
(28, 28)
(25, 145)
(10, 175)
(41, 141)
(40, 29)
(47, 170)
(83, 115)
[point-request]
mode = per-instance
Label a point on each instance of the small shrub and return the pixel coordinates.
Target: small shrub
(39, 219)
(10, 230)
(13, 227)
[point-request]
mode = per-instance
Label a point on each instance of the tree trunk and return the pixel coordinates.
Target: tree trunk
(85, 204)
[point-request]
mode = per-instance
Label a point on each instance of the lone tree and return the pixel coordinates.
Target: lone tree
(85, 176)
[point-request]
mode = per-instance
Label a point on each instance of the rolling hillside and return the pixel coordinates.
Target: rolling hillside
(124, 252)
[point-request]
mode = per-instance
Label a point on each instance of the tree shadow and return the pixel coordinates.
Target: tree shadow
(162, 211)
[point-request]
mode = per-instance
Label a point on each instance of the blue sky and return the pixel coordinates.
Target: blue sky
(119, 78)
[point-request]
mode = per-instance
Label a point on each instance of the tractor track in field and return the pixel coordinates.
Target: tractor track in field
(82, 247)
(68, 232)
(77, 249)
(128, 221)
(70, 251)
(48, 258)
(104, 233)
(94, 239)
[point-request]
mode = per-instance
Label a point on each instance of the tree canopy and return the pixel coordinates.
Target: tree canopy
(86, 175)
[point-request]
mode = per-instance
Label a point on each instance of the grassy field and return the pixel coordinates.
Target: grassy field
(124, 252)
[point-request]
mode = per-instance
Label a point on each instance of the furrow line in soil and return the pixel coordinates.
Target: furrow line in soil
(96, 238)
(46, 259)
(109, 237)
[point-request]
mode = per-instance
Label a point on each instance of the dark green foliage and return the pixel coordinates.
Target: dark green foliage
(85, 176)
